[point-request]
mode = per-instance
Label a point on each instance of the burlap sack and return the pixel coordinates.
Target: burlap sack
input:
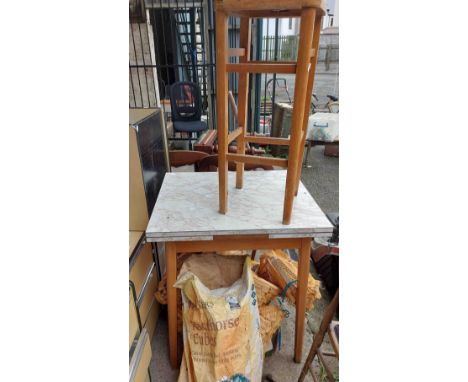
(221, 320)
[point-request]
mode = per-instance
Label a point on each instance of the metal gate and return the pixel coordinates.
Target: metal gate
(171, 41)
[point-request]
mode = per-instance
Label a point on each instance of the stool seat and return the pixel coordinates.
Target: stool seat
(243, 6)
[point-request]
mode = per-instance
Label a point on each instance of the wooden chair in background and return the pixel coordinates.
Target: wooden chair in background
(178, 158)
(326, 326)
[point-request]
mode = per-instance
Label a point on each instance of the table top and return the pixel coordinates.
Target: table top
(187, 208)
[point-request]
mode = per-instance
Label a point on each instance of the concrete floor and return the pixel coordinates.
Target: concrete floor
(322, 182)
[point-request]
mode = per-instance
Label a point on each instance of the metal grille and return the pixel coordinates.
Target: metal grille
(174, 43)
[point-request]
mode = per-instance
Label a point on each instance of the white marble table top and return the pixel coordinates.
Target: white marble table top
(187, 208)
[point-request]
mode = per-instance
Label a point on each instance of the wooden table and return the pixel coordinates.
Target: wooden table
(186, 219)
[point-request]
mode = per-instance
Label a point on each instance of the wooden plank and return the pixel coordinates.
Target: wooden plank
(132, 321)
(141, 359)
(185, 157)
(234, 242)
(221, 106)
(240, 237)
(232, 102)
(254, 159)
(141, 267)
(303, 63)
(146, 299)
(266, 13)
(206, 142)
(263, 67)
(234, 134)
(267, 140)
(151, 321)
(134, 238)
(236, 52)
(243, 97)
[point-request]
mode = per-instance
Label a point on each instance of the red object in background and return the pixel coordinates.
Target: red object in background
(320, 252)
(331, 151)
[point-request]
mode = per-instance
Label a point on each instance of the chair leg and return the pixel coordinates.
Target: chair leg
(328, 371)
(303, 60)
(243, 97)
(318, 338)
(222, 106)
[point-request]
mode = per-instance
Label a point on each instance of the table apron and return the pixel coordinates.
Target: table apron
(220, 243)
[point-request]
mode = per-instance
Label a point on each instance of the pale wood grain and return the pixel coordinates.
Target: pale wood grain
(141, 267)
(148, 296)
(267, 140)
(134, 239)
(254, 159)
(222, 107)
(235, 134)
(243, 97)
(232, 6)
(263, 67)
(152, 318)
(140, 365)
(133, 321)
(303, 58)
(310, 84)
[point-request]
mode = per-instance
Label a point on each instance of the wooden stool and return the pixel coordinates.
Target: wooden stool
(310, 12)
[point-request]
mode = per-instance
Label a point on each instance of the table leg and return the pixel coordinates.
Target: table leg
(171, 264)
(302, 279)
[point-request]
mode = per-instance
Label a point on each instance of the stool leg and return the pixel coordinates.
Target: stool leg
(310, 85)
(243, 96)
(222, 106)
(171, 263)
(303, 60)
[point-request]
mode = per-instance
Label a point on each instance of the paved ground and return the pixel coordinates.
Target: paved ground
(322, 182)
(322, 179)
